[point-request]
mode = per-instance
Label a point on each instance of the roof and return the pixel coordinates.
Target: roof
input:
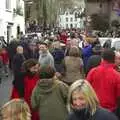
(71, 11)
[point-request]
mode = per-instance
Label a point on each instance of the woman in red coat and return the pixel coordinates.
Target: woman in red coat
(25, 82)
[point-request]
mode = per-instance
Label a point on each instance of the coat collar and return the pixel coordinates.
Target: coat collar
(107, 64)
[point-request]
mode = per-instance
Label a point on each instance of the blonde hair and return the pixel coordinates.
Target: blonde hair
(16, 109)
(74, 51)
(88, 92)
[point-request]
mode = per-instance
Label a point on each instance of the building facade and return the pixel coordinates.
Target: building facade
(69, 19)
(105, 7)
(11, 18)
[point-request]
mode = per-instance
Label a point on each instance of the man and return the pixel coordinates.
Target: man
(18, 60)
(106, 81)
(117, 60)
(25, 82)
(45, 57)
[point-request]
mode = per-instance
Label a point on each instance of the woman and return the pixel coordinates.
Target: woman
(73, 66)
(16, 109)
(83, 103)
(50, 96)
(25, 82)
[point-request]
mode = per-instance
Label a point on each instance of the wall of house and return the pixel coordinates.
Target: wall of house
(76, 23)
(10, 20)
(106, 8)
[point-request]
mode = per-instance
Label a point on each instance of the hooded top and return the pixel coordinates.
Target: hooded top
(50, 98)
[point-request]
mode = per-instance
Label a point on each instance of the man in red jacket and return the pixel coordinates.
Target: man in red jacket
(106, 81)
(5, 59)
(25, 82)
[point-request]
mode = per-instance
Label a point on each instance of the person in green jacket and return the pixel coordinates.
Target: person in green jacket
(50, 96)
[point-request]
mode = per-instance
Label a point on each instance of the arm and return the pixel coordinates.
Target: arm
(64, 91)
(51, 60)
(35, 99)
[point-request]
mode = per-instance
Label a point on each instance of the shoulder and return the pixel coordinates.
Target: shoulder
(72, 116)
(49, 55)
(103, 114)
(61, 84)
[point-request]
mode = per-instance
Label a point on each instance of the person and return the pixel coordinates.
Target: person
(16, 109)
(117, 60)
(49, 97)
(95, 59)
(5, 61)
(18, 60)
(73, 66)
(86, 53)
(45, 57)
(58, 55)
(83, 103)
(25, 82)
(106, 81)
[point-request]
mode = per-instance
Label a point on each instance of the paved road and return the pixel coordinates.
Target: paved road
(5, 89)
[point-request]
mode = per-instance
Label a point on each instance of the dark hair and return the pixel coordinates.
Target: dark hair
(108, 55)
(29, 63)
(46, 71)
(43, 43)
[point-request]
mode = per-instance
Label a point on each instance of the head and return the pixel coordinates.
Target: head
(32, 46)
(117, 58)
(31, 66)
(108, 55)
(86, 43)
(16, 109)
(19, 49)
(74, 51)
(43, 47)
(56, 44)
(81, 95)
(97, 49)
(46, 72)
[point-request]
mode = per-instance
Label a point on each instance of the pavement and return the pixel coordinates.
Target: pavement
(5, 89)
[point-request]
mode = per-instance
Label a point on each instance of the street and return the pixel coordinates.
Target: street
(5, 89)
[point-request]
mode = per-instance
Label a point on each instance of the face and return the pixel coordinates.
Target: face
(43, 48)
(86, 43)
(34, 69)
(20, 50)
(117, 59)
(78, 100)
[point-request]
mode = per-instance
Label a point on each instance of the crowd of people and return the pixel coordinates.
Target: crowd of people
(65, 76)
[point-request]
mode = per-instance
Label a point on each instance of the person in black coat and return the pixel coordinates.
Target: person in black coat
(18, 60)
(83, 103)
(95, 59)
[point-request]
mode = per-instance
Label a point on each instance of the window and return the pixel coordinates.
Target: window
(66, 25)
(18, 4)
(71, 19)
(75, 19)
(66, 13)
(66, 19)
(8, 4)
(75, 25)
(71, 25)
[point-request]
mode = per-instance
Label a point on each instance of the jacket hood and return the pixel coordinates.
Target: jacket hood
(46, 85)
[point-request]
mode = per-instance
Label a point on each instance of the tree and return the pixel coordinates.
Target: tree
(115, 23)
(99, 22)
(47, 10)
